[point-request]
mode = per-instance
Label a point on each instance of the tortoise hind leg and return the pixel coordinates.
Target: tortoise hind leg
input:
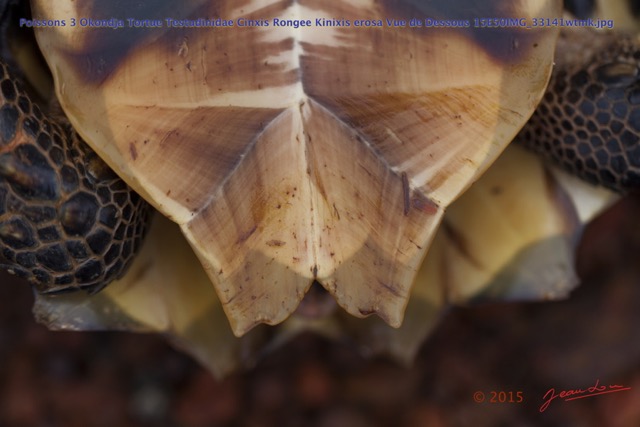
(66, 220)
(589, 120)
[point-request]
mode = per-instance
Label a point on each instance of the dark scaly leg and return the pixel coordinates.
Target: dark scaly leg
(66, 220)
(589, 120)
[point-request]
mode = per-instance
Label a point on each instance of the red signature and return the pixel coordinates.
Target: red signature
(579, 393)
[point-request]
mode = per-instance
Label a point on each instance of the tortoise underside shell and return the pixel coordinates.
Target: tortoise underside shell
(289, 155)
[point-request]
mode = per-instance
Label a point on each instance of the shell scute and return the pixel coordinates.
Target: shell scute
(292, 155)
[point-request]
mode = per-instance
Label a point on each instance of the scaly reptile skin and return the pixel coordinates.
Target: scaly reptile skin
(66, 220)
(589, 119)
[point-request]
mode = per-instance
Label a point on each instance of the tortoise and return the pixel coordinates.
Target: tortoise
(294, 154)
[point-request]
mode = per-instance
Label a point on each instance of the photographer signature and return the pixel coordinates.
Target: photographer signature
(579, 393)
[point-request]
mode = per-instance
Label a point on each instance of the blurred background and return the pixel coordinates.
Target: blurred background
(119, 379)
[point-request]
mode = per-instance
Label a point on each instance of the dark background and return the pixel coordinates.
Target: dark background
(118, 379)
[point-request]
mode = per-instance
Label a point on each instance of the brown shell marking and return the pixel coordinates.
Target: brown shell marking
(312, 137)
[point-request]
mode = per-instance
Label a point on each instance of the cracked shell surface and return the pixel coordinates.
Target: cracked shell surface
(292, 155)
